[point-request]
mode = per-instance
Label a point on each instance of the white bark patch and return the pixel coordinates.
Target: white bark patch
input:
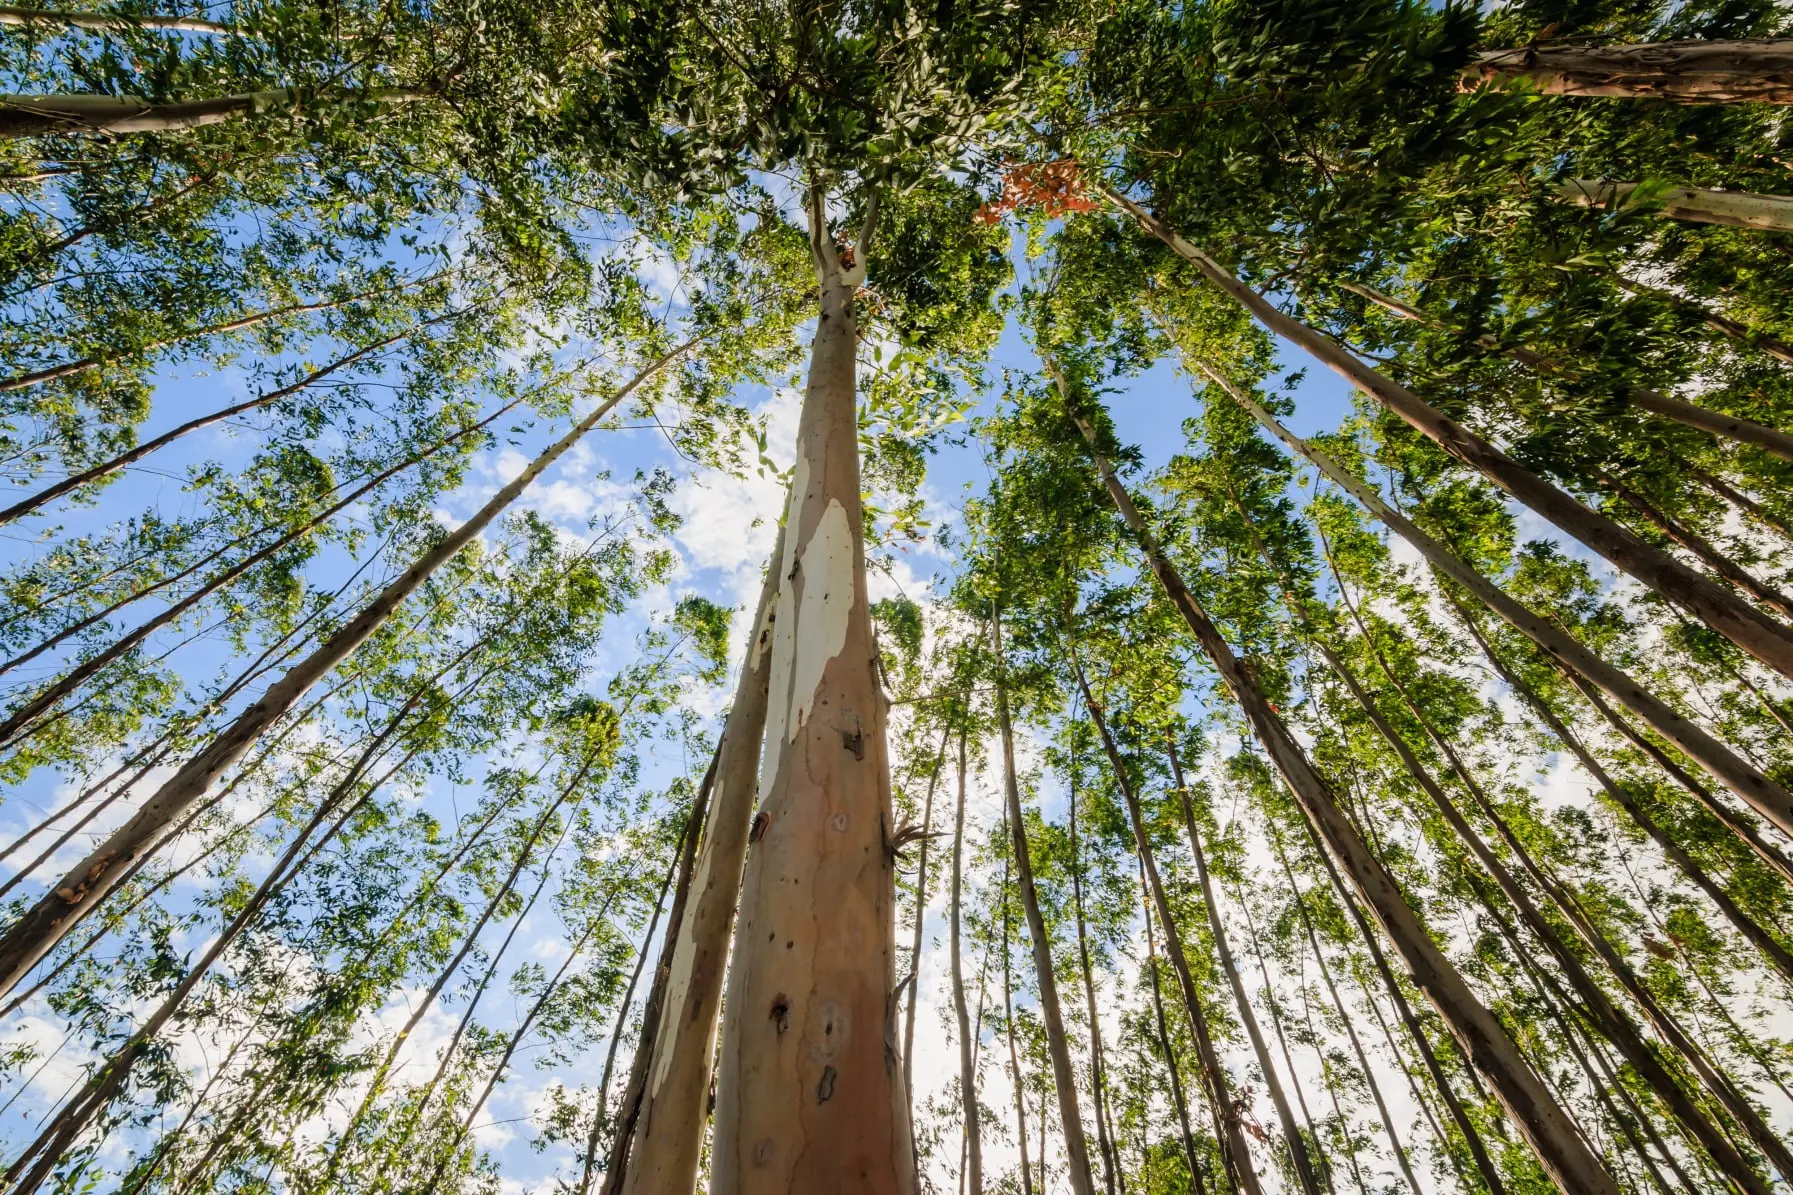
(784, 630)
(822, 618)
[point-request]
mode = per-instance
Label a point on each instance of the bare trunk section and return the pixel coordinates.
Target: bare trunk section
(810, 1093)
(1724, 325)
(115, 116)
(1227, 1127)
(1008, 1027)
(1771, 440)
(1761, 793)
(1703, 548)
(110, 22)
(1718, 607)
(1098, 1073)
(673, 1112)
(1058, 1045)
(1690, 72)
(1699, 205)
(1777, 955)
(921, 917)
(1285, 1115)
(1530, 1104)
(43, 925)
(974, 1138)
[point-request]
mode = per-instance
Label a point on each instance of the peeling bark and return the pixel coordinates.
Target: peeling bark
(1699, 205)
(114, 116)
(1756, 71)
(810, 1089)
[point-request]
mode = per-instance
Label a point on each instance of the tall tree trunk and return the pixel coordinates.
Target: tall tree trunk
(669, 1127)
(1614, 1023)
(115, 116)
(1724, 490)
(1338, 1003)
(810, 1094)
(1714, 605)
(110, 22)
(1700, 205)
(1689, 72)
(1098, 1079)
(616, 1167)
(48, 921)
(1724, 325)
(1285, 1115)
(974, 1138)
(921, 917)
(130, 456)
(1008, 1028)
(1221, 1103)
(1058, 1045)
(1761, 793)
(1771, 440)
(1777, 954)
(1528, 1101)
(1178, 1100)
(1322, 1164)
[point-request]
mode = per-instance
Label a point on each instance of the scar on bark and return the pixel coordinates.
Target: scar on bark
(761, 820)
(825, 1088)
(781, 1011)
(853, 741)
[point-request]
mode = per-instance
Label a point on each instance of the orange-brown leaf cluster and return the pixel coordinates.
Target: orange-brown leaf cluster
(1055, 188)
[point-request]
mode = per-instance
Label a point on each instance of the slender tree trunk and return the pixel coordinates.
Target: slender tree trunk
(1098, 1083)
(1363, 1058)
(1227, 1127)
(810, 1094)
(1724, 490)
(1008, 1029)
(1322, 1163)
(1714, 605)
(116, 116)
(1700, 205)
(974, 1143)
(1771, 440)
(1689, 72)
(110, 22)
(46, 922)
(1285, 1115)
(1615, 1024)
(1724, 325)
(1777, 955)
(1058, 1046)
(1696, 543)
(921, 916)
(616, 1167)
(1748, 782)
(1528, 1101)
(130, 456)
(669, 1129)
(19, 721)
(1178, 1101)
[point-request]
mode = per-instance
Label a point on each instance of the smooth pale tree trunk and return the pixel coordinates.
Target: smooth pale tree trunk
(1178, 1100)
(1345, 1017)
(1776, 954)
(1724, 325)
(1098, 1074)
(1699, 205)
(1529, 1103)
(88, 882)
(1225, 1109)
(1762, 794)
(1285, 1115)
(669, 1128)
(67, 369)
(130, 456)
(1008, 1025)
(1614, 1023)
(1771, 440)
(810, 1092)
(974, 1138)
(21, 720)
(1726, 491)
(1690, 72)
(115, 116)
(616, 1168)
(1282, 1044)
(1058, 1045)
(109, 22)
(921, 917)
(1718, 607)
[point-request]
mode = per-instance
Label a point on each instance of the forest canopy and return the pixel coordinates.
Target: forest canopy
(626, 598)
